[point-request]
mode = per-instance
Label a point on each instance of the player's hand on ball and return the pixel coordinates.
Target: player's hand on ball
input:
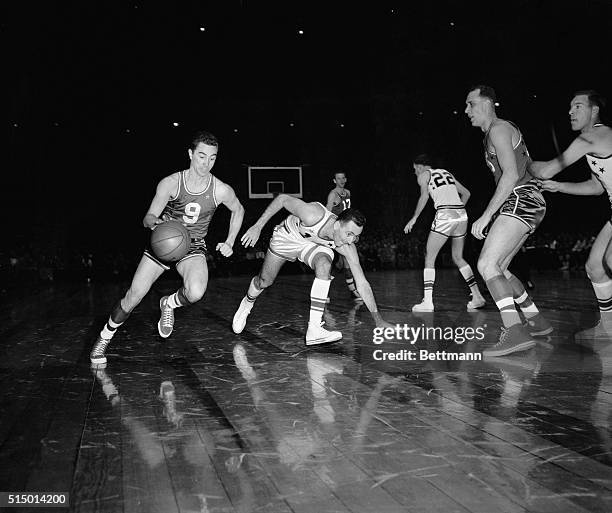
(479, 226)
(251, 236)
(225, 249)
(549, 185)
(152, 224)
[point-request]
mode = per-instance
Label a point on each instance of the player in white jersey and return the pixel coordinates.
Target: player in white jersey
(450, 221)
(310, 234)
(190, 197)
(594, 143)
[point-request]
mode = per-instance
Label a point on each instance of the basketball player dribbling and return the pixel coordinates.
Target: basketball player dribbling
(190, 197)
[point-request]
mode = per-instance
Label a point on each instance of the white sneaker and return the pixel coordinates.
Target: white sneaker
(240, 317)
(317, 334)
(423, 306)
(476, 302)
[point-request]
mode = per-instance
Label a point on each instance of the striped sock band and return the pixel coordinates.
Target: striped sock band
(603, 291)
(178, 299)
(521, 298)
(350, 283)
(468, 276)
(117, 317)
(429, 278)
(501, 292)
(253, 291)
(109, 330)
(526, 304)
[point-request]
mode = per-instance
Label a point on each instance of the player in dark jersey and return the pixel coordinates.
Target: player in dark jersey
(515, 211)
(339, 199)
(190, 197)
(594, 143)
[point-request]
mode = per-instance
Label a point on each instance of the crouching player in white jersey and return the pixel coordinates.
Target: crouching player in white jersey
(594, 143)
(310, 234)
(451, 220)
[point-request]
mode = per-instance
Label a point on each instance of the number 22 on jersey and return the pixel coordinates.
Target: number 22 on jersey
(440, 178)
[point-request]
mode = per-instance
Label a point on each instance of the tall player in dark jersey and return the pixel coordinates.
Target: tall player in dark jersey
(594, 143)
(339, 199)
(515, 211)
(190, 197)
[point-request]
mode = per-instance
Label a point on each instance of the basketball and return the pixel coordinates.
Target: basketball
(170, 241)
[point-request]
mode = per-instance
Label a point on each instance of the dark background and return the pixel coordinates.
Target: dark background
(92, 90)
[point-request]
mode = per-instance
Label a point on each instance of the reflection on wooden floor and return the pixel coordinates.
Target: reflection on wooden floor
(209, 421)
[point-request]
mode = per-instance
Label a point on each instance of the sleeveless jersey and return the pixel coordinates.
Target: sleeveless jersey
(311, 233)
(521, 154)
(195, 209)
(601, 167)
(345, 202)
(442, 189)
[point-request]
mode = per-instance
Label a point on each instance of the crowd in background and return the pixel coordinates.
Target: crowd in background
(27, 267)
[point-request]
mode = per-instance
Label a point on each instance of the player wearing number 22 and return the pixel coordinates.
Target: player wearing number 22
(190, 197)
(450, 221)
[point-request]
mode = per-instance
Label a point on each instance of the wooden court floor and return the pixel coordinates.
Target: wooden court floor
(210, 421)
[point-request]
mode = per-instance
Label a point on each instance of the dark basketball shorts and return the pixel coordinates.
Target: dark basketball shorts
(450, 222)
(526, 204)
(197, 249)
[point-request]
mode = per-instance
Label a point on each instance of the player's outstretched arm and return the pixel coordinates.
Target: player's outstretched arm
(591, 187)
(227, 196)
(165, 189)
(361, 283)
(546, 170)
(309, 213)
(423, 180)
